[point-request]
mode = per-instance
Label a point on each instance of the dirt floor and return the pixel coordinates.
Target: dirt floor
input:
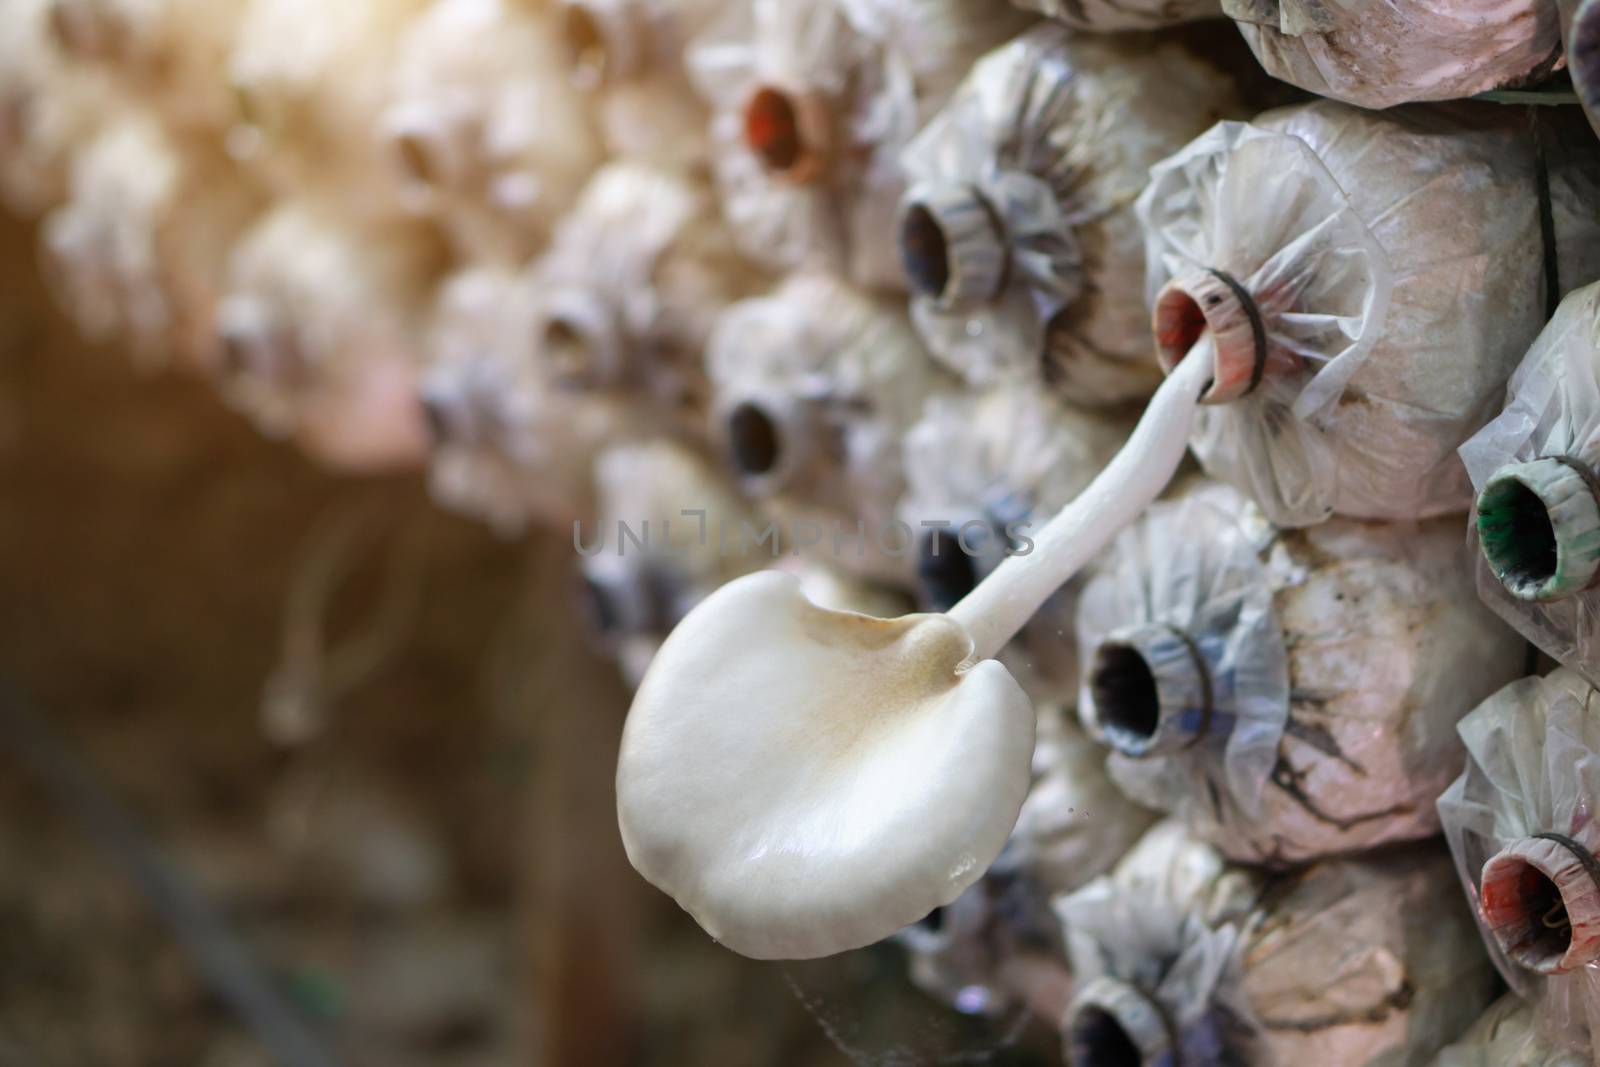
(416, 840)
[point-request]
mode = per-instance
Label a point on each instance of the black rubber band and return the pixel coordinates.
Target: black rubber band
(1258, 329)
(1200, 666)
(1583, 855)
(1547, 218)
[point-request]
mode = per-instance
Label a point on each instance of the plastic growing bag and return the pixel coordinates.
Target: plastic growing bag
(47, 109)
(506, 447)
(1154, 950)
(310, 80)
(1520, 821)
(982, 469)
(628, 57)
(990, 950)
(814, 386)
(1018, 232)
(171, 55)
(1369, 282)
(1290, 695)
(139, 250)
(1321, 966)
(627, 295)
(1075, 824)
(1101, 15)
(812, 104)
(1376, 54)
(1538, 513)
(483, 130)
(1507, 1035)
(1580, 37)
(657, 551)
(317, 333)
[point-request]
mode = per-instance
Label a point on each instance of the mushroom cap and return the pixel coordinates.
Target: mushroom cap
(805, 781)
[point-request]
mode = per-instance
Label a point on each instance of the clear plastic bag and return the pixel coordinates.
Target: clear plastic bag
(1531, 537)
(318, 333)
(1393, 268)
(1359, 962)
(641, 582)
(982, 470)
(1580, 38)
(814, 386)
(1507, 1036)
(1376, 54)
(1154, 949)
(1075, 824)
(1520, 822)
(138, 251)
(626, 297)
(47, 109)
(1290, 695)
(628, 57)
(1100, 15)
(1347, 962)
(1018, 231)
(505, 446)
(812, 104)
(310, 80)
(482, 129)
(171, 55)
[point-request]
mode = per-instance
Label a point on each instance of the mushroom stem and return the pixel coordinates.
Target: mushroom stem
(1002, 603)
(1114, 1024)
(952, 245)
(1152, 690)
(1539, 528)
(1541, 900)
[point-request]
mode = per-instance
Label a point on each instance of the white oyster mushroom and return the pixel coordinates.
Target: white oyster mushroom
(805, 781)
